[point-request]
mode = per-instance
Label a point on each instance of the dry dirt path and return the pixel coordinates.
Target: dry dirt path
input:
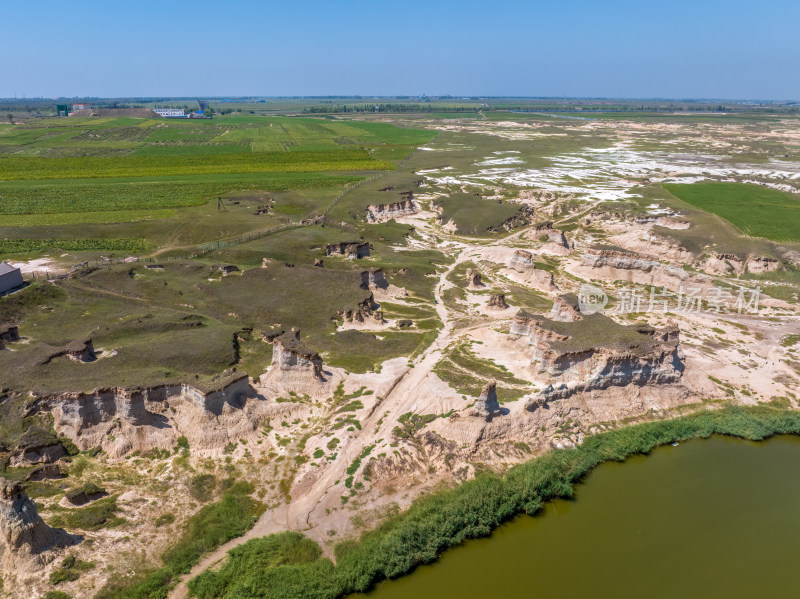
(406, 395)
(402, 398)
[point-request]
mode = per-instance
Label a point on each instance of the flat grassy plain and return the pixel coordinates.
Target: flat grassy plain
(755, 210)
(187, 322)
(97, 136)
(109, 195)
(474, 215)
(157, 180)
(28, 169)
(709, 231)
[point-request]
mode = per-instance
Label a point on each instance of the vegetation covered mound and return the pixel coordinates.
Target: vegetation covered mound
(290, 341)
(473, 215)
(597, 331)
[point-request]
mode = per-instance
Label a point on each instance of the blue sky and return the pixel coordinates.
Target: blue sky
(676, 49)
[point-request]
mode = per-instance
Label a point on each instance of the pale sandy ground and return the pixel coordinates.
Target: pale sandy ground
(37, 265)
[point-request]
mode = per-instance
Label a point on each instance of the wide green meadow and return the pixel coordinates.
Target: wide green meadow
(57, 174)
(755, 210)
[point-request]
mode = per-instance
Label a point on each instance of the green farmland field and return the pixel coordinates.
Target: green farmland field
(225, 135)
(125, 194)
(112, 173)
(757, 211)
(28, 168)
(22, 246)
(85, 218)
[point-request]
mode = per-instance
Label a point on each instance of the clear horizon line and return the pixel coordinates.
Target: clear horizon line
(409, 96)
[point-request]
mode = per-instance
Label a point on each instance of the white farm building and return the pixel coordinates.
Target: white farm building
(10, 277)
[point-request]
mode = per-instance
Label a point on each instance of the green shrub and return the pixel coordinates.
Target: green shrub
(256, 556)
(78, 466)
(60, 575)
(100, 514)
(202, 486)
(37, 489)
(226, 483)
(229, 448)
(352, 406)
(164, 520)
(351, 469)
(70, 569)
(69, 446)
(24, 246)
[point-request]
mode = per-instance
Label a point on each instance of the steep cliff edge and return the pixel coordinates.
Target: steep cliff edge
(121, 420)
(612, 265)
(374, 279)
(377, 213)
(291, 358)
(555, 240)
(366, 311)
(353, 250)
(522, 262)
(487, 406)
(9, 332)
(497, 302)
(720, 263)
(565, 308)
(474, 279)
(77, 351)
(596, 353)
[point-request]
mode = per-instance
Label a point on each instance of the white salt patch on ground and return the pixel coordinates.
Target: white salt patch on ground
(657, 209)
(33, 265)
(603, 174)
(493, 161)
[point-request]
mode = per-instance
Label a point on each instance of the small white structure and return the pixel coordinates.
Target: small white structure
(169, 112)
(83, 106)
(10, 277)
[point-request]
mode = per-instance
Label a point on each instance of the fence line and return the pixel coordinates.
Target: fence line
(375, 177)
(350, 188)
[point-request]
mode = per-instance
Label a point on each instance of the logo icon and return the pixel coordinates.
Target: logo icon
(591, 299)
